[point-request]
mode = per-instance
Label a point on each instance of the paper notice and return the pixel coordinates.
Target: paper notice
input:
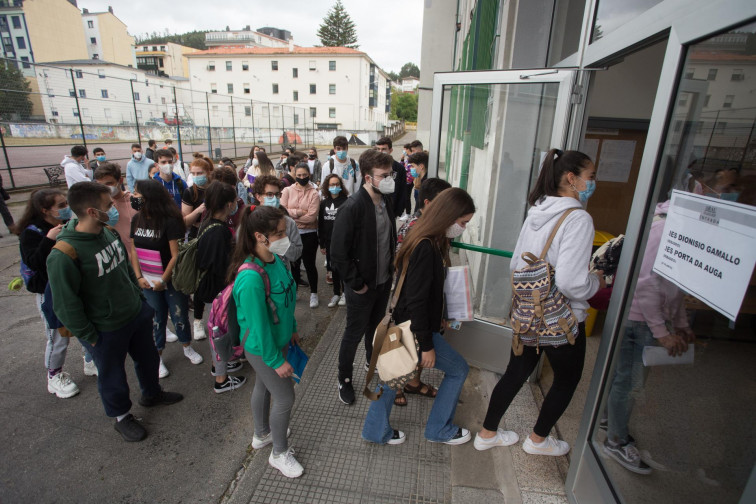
(615, 161)
(458, 295)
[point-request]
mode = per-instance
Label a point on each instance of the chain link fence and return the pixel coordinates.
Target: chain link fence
(44, 110)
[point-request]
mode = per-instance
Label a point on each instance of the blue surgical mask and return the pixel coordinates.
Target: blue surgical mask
(334, 190)
(112, 214)
(200, 180)
(413, 172)
(64, 214)
(101, 159)
(236, 209)
(342, 154)
(590, 186)
(272, 201)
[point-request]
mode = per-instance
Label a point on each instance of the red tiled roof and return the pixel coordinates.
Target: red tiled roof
(274, 50)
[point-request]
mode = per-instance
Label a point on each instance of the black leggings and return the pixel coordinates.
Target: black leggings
(567, 363)
(310, 249)
(338, 287)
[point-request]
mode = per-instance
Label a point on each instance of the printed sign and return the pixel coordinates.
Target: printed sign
(709, 249)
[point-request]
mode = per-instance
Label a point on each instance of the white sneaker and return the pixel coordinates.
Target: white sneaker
(314, 303)
(162, 370)
(170, 336)
(199, 330)
(62, 386)
(550, 446)
(397, 439)
(90, 368)
(502, 438)
(286, 463)
(264, 441)
(342, 300)
(191, 354)
(334, 301)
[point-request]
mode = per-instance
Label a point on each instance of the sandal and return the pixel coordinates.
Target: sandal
(400, 399)
(430, 391)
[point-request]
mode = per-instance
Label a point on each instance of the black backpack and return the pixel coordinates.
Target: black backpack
(331, 164)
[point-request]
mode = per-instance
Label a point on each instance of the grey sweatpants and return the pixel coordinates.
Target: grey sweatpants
(267, 419)
(57, 345)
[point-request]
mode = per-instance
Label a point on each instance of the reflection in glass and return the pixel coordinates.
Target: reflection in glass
(611, 14)
(684, 433)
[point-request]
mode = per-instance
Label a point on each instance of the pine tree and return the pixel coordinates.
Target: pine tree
(337, 29)
(14, 95)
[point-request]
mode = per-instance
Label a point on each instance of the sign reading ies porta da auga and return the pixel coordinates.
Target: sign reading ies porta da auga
(709, 249)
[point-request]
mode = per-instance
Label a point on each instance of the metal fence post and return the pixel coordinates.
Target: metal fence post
(136, 117)
(178, 129)
(233, 126)
(78, 110)
(252, 114)
(7, 161)
(209, 134)
(270, 131)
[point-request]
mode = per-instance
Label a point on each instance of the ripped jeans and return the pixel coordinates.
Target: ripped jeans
(170, 301)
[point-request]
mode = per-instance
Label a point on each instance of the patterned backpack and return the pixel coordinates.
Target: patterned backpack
(540, 313)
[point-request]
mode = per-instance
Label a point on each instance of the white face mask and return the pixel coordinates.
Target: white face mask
(279, 247)
(166, 169)
(386, 186)
(114, 190)
(454, 231)
(255, 162)
(137, 156)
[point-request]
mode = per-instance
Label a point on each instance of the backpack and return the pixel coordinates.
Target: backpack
(222, 324)
(331, 164)
(540, 313)
(47, 309)
(26, 272)
(186, 275)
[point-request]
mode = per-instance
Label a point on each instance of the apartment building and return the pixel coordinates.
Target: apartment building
(166, 60)
(273, 37)
(107, 38)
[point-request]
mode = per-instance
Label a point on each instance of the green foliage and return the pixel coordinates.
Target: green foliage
(337, 28)
(14, 93)
(393, 76)
(409, 70)
(404, 106)
(195, 39)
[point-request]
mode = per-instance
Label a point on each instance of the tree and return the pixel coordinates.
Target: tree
(409, 70)
(404, 106)
(393, 76)
(337, 28)
(194, 39)
(14, 93)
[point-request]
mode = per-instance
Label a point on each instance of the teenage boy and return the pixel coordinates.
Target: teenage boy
(138, 167)
(151, 148)
(362, 251)
(97, 298)
(267, 191)
(385, 145)
(416, 146)
(172, 181)
(168, 144)
(109, 175)
(74, 166)
(316, 168)
(342, 165)
(99, 154)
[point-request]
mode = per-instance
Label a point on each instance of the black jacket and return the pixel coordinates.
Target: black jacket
(354, 243)
(35, 247)
(150, 153)
(422, 296)
(329, 209)
(213, 255)
(400, 191)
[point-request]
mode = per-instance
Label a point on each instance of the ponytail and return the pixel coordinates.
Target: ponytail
(554, 166)
(254, 219)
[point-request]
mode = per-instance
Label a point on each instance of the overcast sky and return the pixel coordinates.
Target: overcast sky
(389, 31)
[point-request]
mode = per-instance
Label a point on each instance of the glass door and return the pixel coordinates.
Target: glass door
(490, 132)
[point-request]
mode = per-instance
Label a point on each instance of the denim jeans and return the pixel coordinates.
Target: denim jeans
(629, 378)
(440, 426)
(169, 301)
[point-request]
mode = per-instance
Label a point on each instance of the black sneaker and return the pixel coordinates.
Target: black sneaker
(130, 429)
(462, 436)
(231, 367)
(231, 383)
(163, 397)
(627, 456)
(346, 391)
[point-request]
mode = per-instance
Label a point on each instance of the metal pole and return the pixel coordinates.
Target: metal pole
(233, 125)
(252, 114)
(178, 129)
(136, 117)
(78, 110)
(7, 161)
(745, 147)
(285, 137)
(209, 135)
(270, 131)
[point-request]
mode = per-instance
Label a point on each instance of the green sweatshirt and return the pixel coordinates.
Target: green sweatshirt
(98, 291)
(265, 338)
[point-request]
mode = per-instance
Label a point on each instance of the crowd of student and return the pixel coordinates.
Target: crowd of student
(101, 260)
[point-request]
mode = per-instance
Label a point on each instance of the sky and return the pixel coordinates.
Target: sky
(390, 34)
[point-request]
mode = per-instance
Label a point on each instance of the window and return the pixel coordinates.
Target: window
(162, 48)
(25, 62)
(16, 20)
(313, 111)
(136, 96)
(331, 88)
(737, 75)
(215, 110)
(229, 66)
(79, 74)
(104, 93)
(162, 100)
(20, 42)
(712, 74)
(247, 111)
(54, 112)
(139, 114)
(332, 112)
(213, 87)
(706, 100)
(149, 99)
(93, 40)
(211, 66)
(295, 72)
(296, 118)
(82, 93)
(275, 88)
(274, 65)
(296, 96)
(75, 113)
(322, 126)
(95, 56)
(71, 93)
(313, 89)
(101, 73)
(681, 102)
(90, 24)
(689, 74)
(245, 66)
(230, 88)
(312, 65)
(720, 127)
(246, 87)
(728, 101)
(332, 66)
(107, 113)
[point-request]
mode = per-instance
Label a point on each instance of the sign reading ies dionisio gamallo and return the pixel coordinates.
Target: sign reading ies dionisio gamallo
(709, 249)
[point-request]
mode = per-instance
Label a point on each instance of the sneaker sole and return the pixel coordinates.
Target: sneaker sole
(200, 338)
(536, 452)
(292, 476)
(200, 361)
(229, 389)
(620, 461)
(128, 440)
(62, 395)
(342, 400)
(484, 447)
(453, 442)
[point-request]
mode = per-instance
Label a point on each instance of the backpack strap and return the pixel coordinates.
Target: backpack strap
(208, 228)
(354, 169)
(554, 232)
(266, 281)
(67, 249)
(330, 165)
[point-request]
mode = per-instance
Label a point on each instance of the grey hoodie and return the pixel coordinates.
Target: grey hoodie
(570, 252)
(75, 171)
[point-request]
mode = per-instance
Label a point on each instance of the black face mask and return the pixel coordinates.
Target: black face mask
(303, 181)
(311, 156)
(137, 202)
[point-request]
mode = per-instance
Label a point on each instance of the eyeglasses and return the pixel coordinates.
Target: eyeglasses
(272, 194)
(388, 175)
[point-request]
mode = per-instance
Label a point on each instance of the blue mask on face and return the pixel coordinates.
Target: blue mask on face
(590, 186)
(112, 216)
(334, 190)
(272, 201)
(200, 180)
(233, 212)
(342, 154)
(101, 159)
(413, 172)
(64, 214)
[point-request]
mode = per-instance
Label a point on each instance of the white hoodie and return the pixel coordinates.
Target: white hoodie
(570, 252)
(75, 171)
